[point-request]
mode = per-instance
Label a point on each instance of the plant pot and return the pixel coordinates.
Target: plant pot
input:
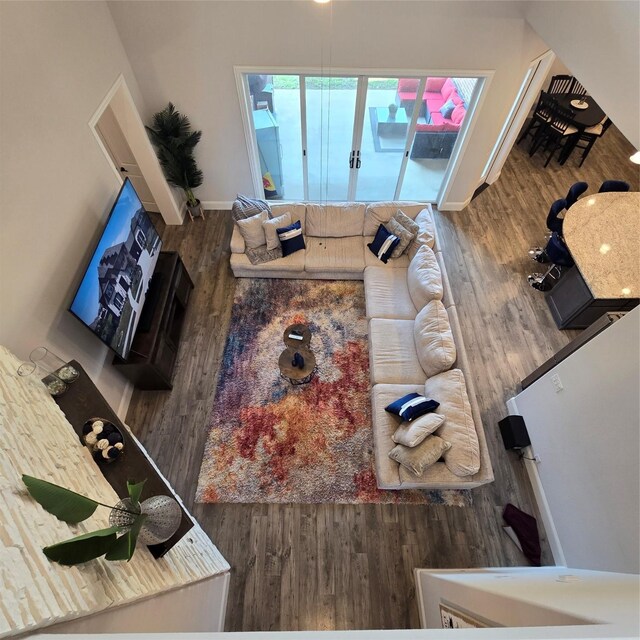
(195, 211)
(163, 518)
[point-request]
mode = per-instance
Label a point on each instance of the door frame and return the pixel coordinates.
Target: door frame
(120, 100)
(532, 82)
(484, 77)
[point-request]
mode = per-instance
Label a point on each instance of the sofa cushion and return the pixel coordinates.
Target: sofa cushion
(378, 213)
(383, 244)
(334, 254)
(237, 244)
(384, 425)
(423, 278)
(458, 114)
(387, 294)
(252, 231)
(435, 347)
(296, 210)
(338, 220)
(291, 238)
(372, 261)
(435, 104)
(448, 88)
(434, 84)
(417, 459)
(411, 434)
(244, 207)
(291, 264)
(447, 296)
(270, 229)
(392, 353)
(426, 234)
(405, 237)
(449, 389)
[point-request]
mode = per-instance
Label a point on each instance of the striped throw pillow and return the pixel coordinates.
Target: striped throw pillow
(412, 406)
(291, 238)
(383, 244)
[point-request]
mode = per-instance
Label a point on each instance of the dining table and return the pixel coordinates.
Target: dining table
(602, 233)
(589, 116)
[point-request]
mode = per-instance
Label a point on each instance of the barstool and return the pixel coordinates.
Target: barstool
(559, 255)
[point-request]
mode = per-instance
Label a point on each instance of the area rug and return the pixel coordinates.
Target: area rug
(270, 441)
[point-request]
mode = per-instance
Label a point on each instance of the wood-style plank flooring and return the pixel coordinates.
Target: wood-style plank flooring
(350, 566)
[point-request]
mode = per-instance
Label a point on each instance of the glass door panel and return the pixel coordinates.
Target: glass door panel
(330, 117)
(275, 103)
(384, 136)
(442, 116)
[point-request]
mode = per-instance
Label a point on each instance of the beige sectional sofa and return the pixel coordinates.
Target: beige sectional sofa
(336, 237)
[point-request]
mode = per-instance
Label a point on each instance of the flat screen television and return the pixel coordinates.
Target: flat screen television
(112, 292)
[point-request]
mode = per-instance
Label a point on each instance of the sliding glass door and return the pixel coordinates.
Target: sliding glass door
(334, 138)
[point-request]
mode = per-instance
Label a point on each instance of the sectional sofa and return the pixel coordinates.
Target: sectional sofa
(402, 339)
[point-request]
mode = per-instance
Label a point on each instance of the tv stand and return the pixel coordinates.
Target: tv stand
(155, 346)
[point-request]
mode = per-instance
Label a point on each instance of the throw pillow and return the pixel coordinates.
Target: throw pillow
(383, 244)
(447, 108)
(411, 434)
(291, 238)
(424, 278)
(463, 459)
(458, 114)
(417, 459)
(412, 406)
(403, 234)
(426, 233)
(271, 229)
(252, 230)
(244, 207)
(262, 254)
(435, 347)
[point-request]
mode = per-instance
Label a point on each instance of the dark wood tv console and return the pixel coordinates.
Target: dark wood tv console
(155, 346)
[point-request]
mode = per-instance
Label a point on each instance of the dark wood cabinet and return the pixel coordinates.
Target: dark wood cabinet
(154, 349)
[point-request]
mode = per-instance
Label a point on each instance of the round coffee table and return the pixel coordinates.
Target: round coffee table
(293, 374)
(302, 330)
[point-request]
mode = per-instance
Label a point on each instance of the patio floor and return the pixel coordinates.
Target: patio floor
(330, 117)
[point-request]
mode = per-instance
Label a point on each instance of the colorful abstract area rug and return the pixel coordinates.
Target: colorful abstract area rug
(271, 441)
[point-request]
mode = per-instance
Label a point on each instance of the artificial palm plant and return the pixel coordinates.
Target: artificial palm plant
(175, 142)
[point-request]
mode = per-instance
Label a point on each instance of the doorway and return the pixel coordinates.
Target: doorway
(353, 136)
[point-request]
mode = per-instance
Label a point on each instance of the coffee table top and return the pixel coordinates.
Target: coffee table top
(292, 342)
(294, 373)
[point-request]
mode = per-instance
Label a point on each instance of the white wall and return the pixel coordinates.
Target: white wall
(535, 597)
(58, 60)
(588, 438)
(185, 52)
(600, 43)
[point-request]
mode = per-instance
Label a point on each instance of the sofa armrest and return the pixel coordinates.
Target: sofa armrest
(237, 241)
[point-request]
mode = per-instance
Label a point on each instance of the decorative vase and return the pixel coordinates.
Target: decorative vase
(163, 518)
(393, 109)
(195, 211)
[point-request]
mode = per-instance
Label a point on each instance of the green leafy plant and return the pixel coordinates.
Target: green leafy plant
(73, 507)
(175, 142)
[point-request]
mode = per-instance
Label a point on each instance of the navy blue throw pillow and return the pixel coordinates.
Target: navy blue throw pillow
(291, 238)
(447, 109)
(383, 244)
(412, 406)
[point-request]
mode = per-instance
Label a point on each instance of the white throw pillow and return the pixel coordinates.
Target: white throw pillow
(270, 227)
(417, 459)
(426, 235)
(252, 231)
(424, 278)
(433, 338)
(411, 434)
(450, 390)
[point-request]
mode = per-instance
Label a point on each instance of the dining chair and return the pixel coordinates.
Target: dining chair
(589, 136)
(614, 185)
(541, 116)
(575, 191)
(560, 84)
(556, 134)
(577, 88)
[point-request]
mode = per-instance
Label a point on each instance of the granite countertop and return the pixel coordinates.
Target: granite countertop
(602, 232)
(35, 593)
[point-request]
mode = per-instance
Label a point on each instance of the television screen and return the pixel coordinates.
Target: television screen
(113, 289)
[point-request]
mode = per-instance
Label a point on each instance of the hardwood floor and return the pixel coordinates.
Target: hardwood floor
(350, 566)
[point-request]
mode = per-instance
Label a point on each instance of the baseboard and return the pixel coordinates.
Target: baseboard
(123, 407)
(540, 497)
(217, 204)
(454, 206)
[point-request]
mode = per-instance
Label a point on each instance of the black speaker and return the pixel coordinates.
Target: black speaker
(514, 432)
